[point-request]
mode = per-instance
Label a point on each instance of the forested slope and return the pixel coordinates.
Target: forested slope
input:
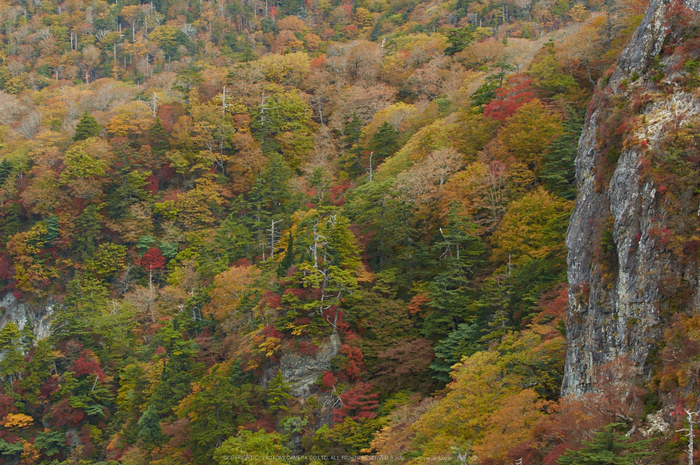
(311, 228)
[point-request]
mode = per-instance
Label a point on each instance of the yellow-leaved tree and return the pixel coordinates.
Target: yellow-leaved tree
(233, 296)
(532, 227)
(528, 133)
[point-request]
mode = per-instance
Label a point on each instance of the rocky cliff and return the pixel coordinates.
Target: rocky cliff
(633, 237)
(15, 310)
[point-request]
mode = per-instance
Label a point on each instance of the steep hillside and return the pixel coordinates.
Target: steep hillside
(235, 230)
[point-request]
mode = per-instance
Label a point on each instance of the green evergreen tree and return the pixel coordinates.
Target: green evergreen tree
(27, 333)
(11, 220)
(487, 91)
(5, 77)
(179, 371)
(187, 80)
(107, 261)
(495, 302)
(158, 138)
(12, 361)
(282, 112)
(218, 409)
(10, 450)
(451, 290)
(459, 343)
(39, 368)
(53, 229)
(87, 127)
(233, 239)
(88, 229)
(384, 143)
(327, 268)
(320, 181)
(248, 54)
(558, 168)
(272, 192)
(388, 220)
(5, 170)
(254, 229)
(278, 393)
(149, 431)
(84, 301)
(50, 442)
(128, 188)
(609, 447)
(547, 74)
(144, 243)
(459, 39)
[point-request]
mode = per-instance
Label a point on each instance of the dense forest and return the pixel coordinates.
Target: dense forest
(238, 231)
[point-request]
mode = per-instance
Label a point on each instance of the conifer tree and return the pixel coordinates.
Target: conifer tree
(450, 350)
(487, 91)
(158, 138)
(609, 447)
(52, 229)
(218, 407)
(278, 393)
(187, 80)
(377, 209)
(459, 39)
(85, 299)
(51, 442)
(329, 263)
(27, 333)
(87, 127)
(11, 352)
(150, 432)
(451, 289)
(5, 170)
(10, 450)
(88, 229)
(178, 371)
(385, 142)
(558, 168)
(11, 221)
(39, 368)
(266, 208)
(234, 239)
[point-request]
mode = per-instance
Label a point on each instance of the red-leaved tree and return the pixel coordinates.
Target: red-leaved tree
(153, 259)
(357, 403)
(509, 98)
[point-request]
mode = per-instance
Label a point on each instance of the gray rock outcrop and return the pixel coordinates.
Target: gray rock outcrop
(618, 267)
(15, 310)
(302, 371)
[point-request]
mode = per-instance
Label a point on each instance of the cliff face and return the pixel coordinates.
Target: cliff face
(12, 309)
(632, 236)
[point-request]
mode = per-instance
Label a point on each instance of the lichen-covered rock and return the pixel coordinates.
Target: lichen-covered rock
(626, 270)
(302, 371)
(15, 310)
